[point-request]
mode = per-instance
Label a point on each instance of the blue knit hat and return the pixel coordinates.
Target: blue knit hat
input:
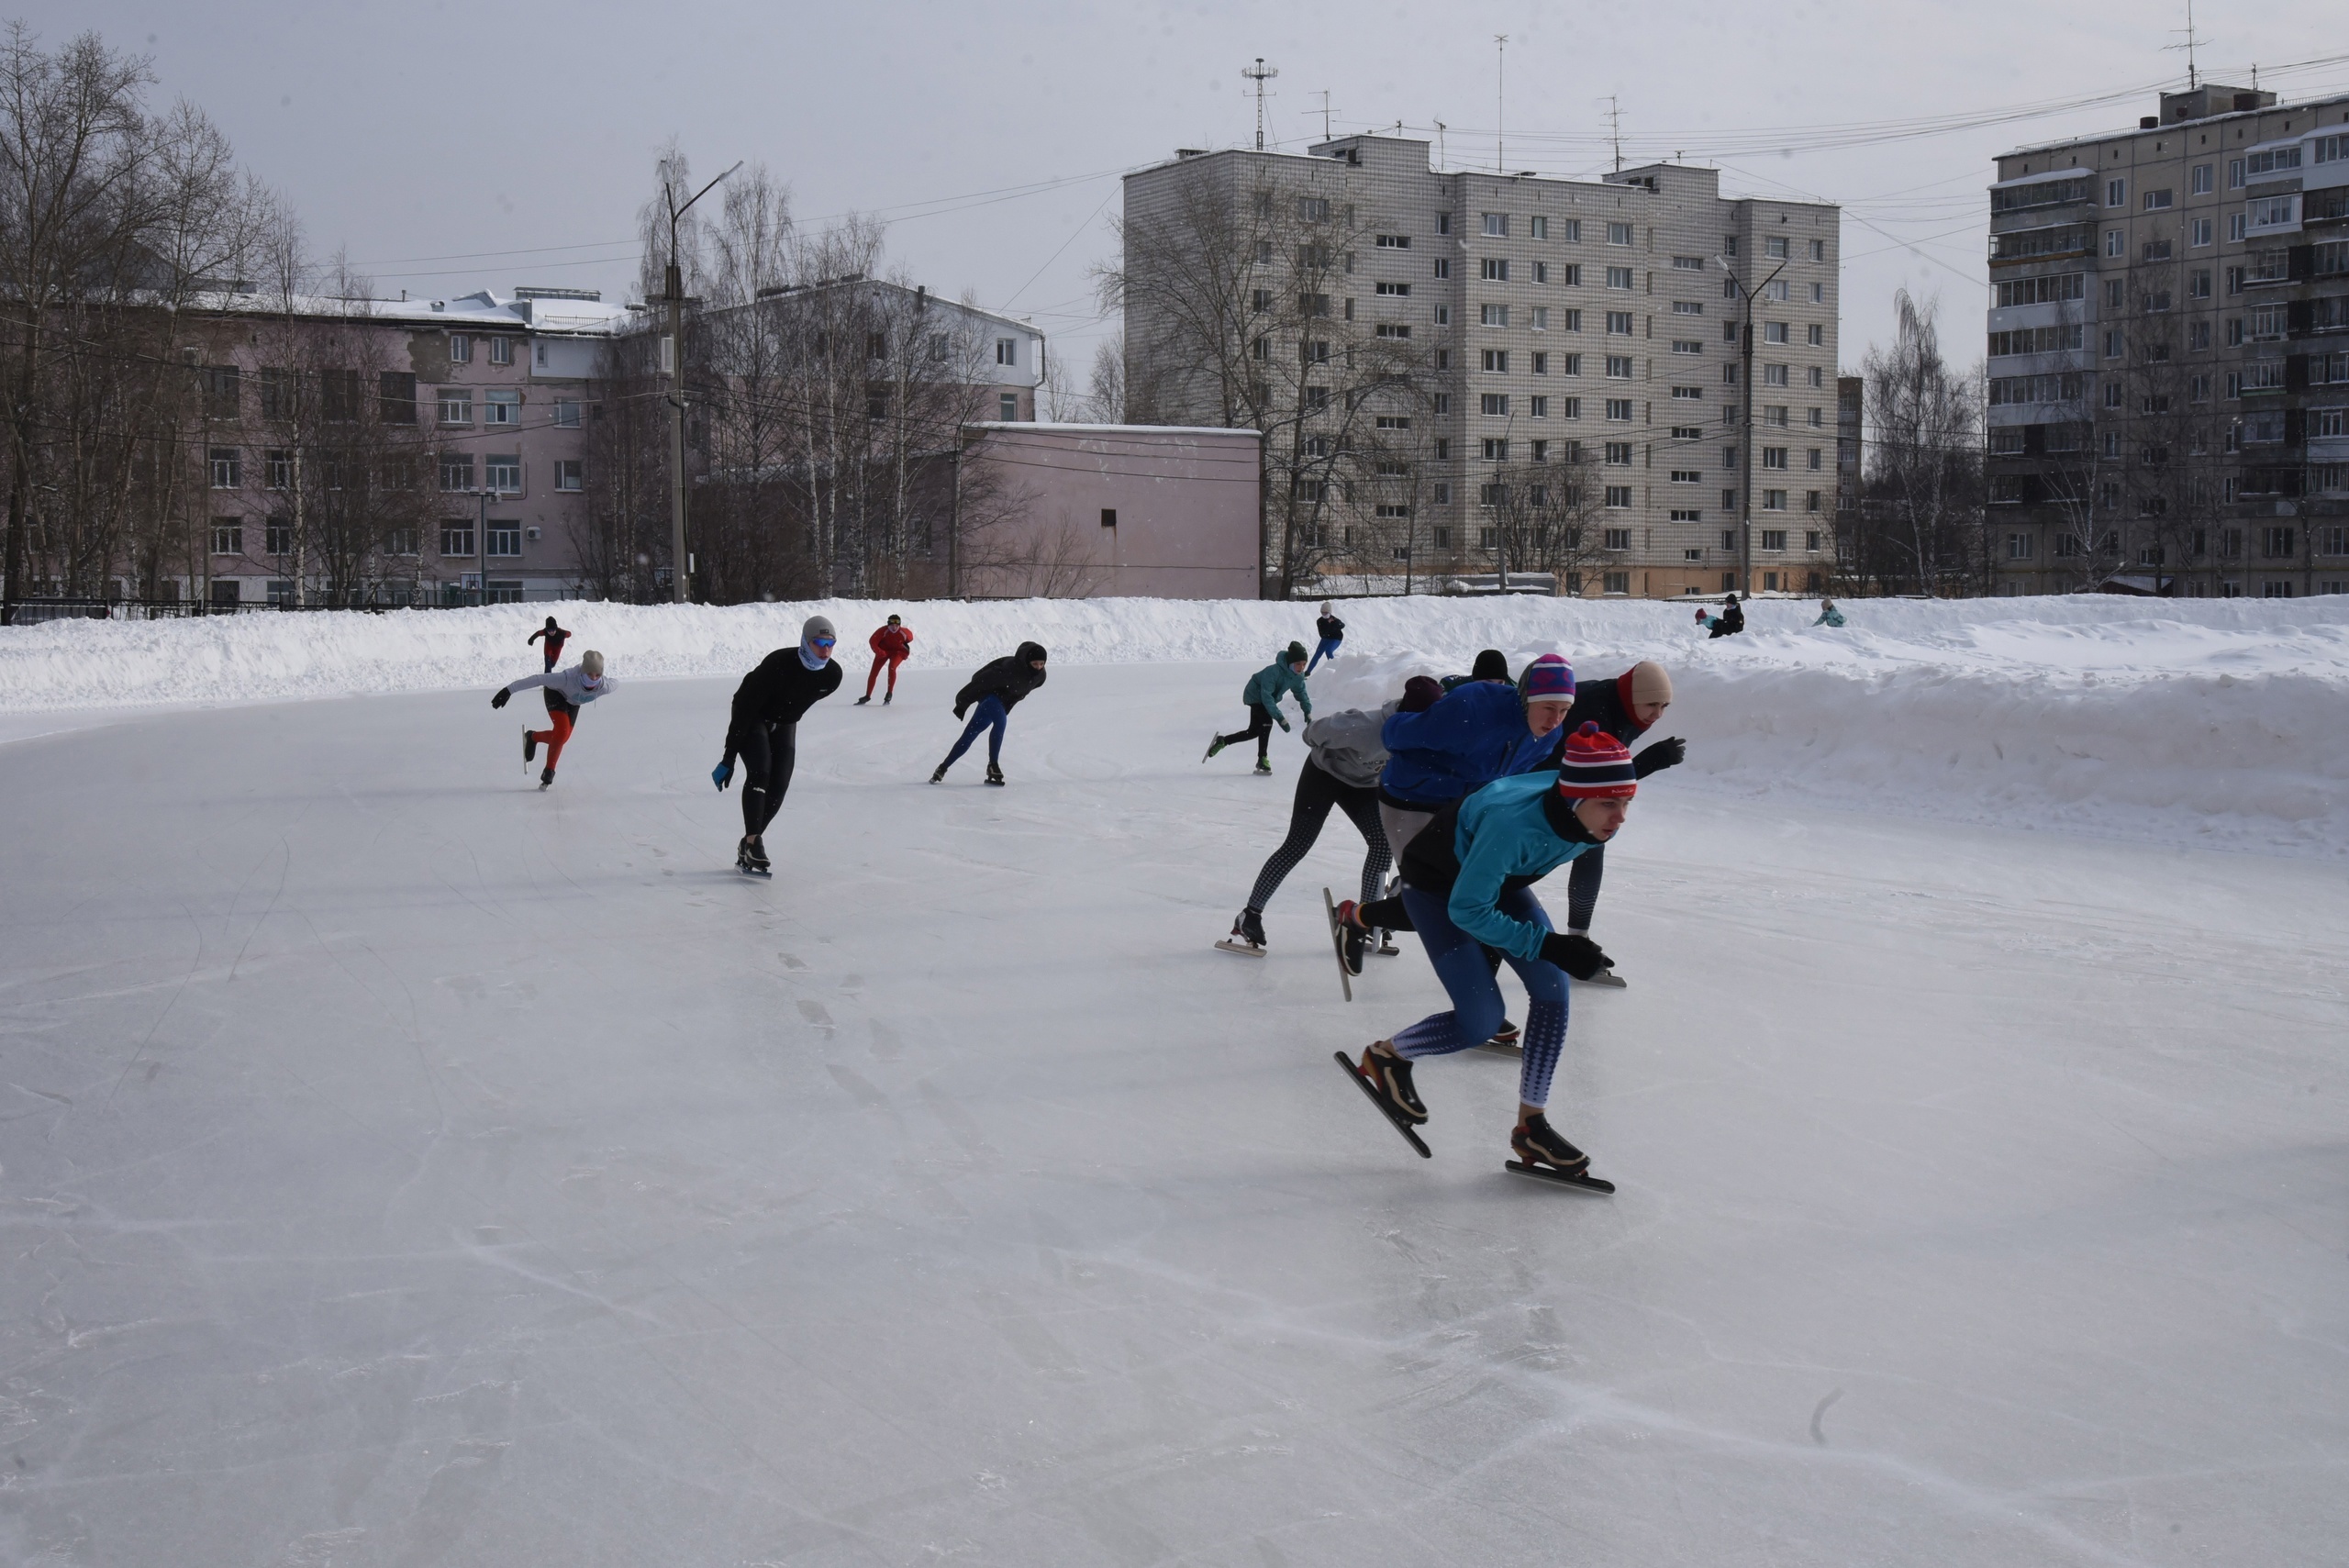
(1548, 679)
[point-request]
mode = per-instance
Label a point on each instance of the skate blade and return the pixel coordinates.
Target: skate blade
(1394, 1119)
(1338, 942)
(1227, 945)
(1503, 1048)
(1608, 979)
(1585, 1182)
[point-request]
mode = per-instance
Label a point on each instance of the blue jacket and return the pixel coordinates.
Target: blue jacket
(1267, 685)
(1505, 833)
(1471, 737)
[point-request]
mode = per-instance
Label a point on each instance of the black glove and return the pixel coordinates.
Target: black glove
(1578, 956)
(499, 700)
(1669, 752)
(959, 708)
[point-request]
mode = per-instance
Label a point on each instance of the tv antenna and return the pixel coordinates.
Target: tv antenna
(1501, 102)
(1615, 131)
(1438, 144)
(1260, 74)
(2187, 33)
(1325, 113)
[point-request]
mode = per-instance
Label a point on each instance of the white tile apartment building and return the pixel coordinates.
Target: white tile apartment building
(2169, 352)
(1564, 315)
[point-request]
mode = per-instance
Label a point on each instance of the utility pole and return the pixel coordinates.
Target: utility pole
(481, 541)
(672, 363)
(1745, 444)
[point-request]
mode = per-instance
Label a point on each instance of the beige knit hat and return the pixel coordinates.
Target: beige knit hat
(1647, 682)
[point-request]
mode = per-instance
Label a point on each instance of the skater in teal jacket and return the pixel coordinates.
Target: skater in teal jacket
(1263, 695)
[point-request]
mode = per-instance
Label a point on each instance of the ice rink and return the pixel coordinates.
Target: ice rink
(400, 1166)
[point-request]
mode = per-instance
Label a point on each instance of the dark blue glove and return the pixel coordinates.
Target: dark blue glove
(500, 699)
(722, 774)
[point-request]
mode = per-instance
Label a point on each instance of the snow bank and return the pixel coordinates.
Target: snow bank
(2213, 722)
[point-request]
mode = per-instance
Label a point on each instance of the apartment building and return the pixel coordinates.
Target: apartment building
(2168, 353)
(394, 451)
(1512, 326)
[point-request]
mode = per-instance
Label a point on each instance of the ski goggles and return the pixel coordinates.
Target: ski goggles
(821, 643)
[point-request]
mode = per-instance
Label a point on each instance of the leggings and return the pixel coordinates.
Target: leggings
(1476, 1009)
(989, 711)
(1326, 648)
(1260, 729)
(768, 753)
(561, 715)
(879, 660)
(1316, 791)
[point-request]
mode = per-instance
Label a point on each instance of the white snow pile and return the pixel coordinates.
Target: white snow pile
(2221, 723)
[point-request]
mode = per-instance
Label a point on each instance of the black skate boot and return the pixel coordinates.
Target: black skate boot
(1506, 1040)
(1391, 1077)
(530, 747)
(995, 774)
(1537, 1144)
(546, 777)
(887, 698)
(939, 775)
(862, 700)
(1247, 935)
(752, 856)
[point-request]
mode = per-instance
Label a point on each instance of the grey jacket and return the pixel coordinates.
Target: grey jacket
(1346, 745)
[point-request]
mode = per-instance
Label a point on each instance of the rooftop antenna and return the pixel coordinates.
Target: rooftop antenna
(2193, 77)
(1325, 113)
(1441, 160)
(1501, 101)
(1615, 120)
(1260, 74)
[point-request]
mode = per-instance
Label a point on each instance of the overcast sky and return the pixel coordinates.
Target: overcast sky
(450, 147)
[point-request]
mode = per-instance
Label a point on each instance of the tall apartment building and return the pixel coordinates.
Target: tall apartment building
(2169, 353)
(1507, 321)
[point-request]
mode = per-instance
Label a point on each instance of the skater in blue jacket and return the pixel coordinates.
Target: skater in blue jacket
(1468, 880)
(1263, 695)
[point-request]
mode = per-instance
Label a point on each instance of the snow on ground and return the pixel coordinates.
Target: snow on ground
(400, 1166)
(2206, 722)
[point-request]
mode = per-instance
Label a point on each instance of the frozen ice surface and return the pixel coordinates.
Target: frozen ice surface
(400, 1166)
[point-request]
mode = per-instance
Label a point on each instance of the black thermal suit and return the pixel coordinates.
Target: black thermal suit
(765, 730)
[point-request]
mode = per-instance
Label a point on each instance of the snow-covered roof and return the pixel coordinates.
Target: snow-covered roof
(1079, 427)
(484, 308)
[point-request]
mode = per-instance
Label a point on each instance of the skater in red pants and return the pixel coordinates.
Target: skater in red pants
(890, 645)
(567, 691)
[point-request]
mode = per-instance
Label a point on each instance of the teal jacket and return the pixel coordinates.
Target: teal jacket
(1267, 685)
(1828, 617)
(1505, 833)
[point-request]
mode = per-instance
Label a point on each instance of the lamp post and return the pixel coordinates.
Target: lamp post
(1745, 444)
(673, 357)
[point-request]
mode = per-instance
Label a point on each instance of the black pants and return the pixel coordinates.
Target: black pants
(768, 752)
(1260, 729)
(1316, 791)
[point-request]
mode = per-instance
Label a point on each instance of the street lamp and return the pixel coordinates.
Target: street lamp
(673, 356)
(1746, 446)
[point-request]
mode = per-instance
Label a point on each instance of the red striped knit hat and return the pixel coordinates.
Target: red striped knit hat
(1596, 766)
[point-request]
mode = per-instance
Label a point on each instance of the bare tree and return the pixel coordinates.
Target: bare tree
(1105, 388)
(1926, 473)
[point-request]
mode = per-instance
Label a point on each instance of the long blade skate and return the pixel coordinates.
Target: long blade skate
(1608, 978)
(1587, 1182)
(1338, 942)
(1409, 1136)
(1233, 944)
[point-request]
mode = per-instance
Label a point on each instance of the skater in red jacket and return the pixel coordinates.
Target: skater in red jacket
(890, 645)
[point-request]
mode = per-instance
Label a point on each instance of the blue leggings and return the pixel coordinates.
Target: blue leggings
(1459, 960)
(989, 712)
(1326, 648)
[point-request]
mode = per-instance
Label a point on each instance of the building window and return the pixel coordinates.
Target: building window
(461, 348)
(1497, 225)
(1443, 266)
(1496, 268)
(395, 395)
(1619, 453)
(1495, 403)
(1618, 497)
(2116, 192)
(501, 408)
(456, 472)
(502, 472)
(1496, 449)
(1537, 408)
(1619, 278)
(1617, 581)
(1494, 315)
(1620, 409)
(505, 537)
(228, 537)
(1773, 538)
(1773, 500)
(1007, 351)
(501, 350)
(570, 474)
(227, 469)
(456, 536)
(1619, 234)
(456, 406)
(1007, 407)
(1619, 366)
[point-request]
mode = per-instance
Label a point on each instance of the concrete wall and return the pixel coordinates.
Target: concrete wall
(1185, 502)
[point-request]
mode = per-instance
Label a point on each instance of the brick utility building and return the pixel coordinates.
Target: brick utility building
(2169, 353)
(461, 421)
(1514, 326)
(1140, 511)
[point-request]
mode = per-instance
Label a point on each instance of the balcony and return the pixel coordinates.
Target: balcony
(2041, 244)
